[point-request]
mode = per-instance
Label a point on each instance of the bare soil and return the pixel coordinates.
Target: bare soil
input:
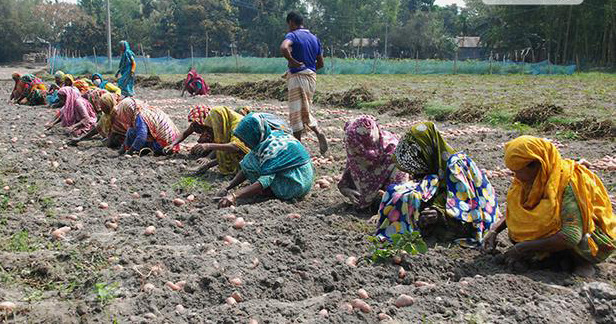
(289, 267)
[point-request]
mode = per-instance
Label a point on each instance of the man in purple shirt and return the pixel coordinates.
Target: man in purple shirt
(303, 52)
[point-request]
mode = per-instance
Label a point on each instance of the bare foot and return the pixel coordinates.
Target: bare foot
(322, 143)
(585, 270)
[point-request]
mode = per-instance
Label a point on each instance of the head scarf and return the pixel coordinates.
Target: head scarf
(369, 156)
(126, 56)
(103, 81)
(27, 78)
(534, 213)
(68, 111)
(109, 101)
(423, 151)
(94, 96)
(16, 77)
(84, 85)
(223, 121)
(68, 77)
(59, 75)
(272, 151)
(198, 114)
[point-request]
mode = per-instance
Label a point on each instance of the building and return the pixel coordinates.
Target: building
(469, 47)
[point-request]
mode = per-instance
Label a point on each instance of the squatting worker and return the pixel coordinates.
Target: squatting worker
(303, 51)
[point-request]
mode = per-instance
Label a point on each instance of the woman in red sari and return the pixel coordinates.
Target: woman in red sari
(195, 84)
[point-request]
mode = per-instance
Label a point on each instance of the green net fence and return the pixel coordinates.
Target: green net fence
(232, 64)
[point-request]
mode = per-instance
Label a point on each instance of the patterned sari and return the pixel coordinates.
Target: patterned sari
(370, 158)
(195, 84)
(451, 183)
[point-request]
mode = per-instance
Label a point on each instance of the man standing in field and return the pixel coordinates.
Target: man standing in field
(303, 51)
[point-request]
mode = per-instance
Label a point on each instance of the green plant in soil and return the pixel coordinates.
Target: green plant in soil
(4, 202)
(192, 183)
(105, 293)
(20, 242)
(409, 242)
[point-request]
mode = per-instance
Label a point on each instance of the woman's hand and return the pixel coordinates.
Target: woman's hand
(353, 195)
(167, 149)
(428, 217)
(200, 149)
(221, 193)
(121, 151)
(227, 201)
(489, 242)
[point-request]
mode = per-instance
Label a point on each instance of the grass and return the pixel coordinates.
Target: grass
(21, 242)
(105, 293)
(189, 183)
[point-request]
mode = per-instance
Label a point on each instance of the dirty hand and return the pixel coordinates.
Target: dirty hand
(227, 201)
(428, 216)
(489, 242)
(353, 195)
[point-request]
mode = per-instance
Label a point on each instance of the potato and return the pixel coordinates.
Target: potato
(423, 284)
(294, 216)
(103, 205)
(173, 286)
(55, 164)
(7, 188)
(159, 214)
(112, 225)
(178, 202)
(397, 259)
(239, 223)
(255, 263)
(346, 307)
(351, 261)
(238, 298)
(163, 194)
(190, 198)
(178, 223)
(384, 317)
(401, 273)
(361, 305)
(180, 309)
(69, 181)
(113, 181)
(150, 230)
(59, 233)
(229, 217)
(404, 300)
(236, 281)
(229, 240)
(231, 301)
(324, 313)
(135, 195)
(363, 294)
(7, 306)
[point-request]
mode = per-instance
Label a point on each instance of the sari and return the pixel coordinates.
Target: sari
(195, 84)
(76, 109)
(161, 128)
(35, 91)
(84, 85)
(535, 212)
(127, 70)
(370, 162)
(223, 121)
(276, 159)
(106, 85)
(449, 182)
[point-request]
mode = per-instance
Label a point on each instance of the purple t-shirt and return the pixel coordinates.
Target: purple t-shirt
(306, 47)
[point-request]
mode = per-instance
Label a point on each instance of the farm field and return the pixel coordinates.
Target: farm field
(291, 269)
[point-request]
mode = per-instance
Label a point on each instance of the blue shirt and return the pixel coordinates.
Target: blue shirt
(306, 47)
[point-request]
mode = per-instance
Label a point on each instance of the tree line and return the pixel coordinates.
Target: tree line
(394, 28)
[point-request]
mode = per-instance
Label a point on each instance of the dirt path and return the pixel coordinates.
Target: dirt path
(290, 269)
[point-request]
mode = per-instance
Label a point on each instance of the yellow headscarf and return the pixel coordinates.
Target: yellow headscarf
(108, 101)
(536, 214)
(223, 121)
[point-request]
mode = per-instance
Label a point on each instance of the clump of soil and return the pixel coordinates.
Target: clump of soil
(404, 106)
(349, 99)
(148, 81)
(593, 128)
(537, 114)
(266, 89)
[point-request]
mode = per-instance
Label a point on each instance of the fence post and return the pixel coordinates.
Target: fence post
(416, 62)
(95, 60)
(455, 63)
(144, 59)
(491, 62)
(192, 57)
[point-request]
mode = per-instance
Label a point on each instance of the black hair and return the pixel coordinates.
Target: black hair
(296, 18)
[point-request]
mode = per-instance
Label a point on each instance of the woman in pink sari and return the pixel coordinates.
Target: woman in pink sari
(370, 166)
(76, 114)
(195, 84)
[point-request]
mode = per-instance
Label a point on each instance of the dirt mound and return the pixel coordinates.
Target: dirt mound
(593, 128)
(537, 114)
(349, 99)
(403, 106)
(266, 89)
(148, 81)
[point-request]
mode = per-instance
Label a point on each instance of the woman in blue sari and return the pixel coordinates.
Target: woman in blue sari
(127, 70)
(278, 164)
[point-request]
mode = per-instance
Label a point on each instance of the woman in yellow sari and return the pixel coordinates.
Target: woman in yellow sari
(216, 126)
(553, 205)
